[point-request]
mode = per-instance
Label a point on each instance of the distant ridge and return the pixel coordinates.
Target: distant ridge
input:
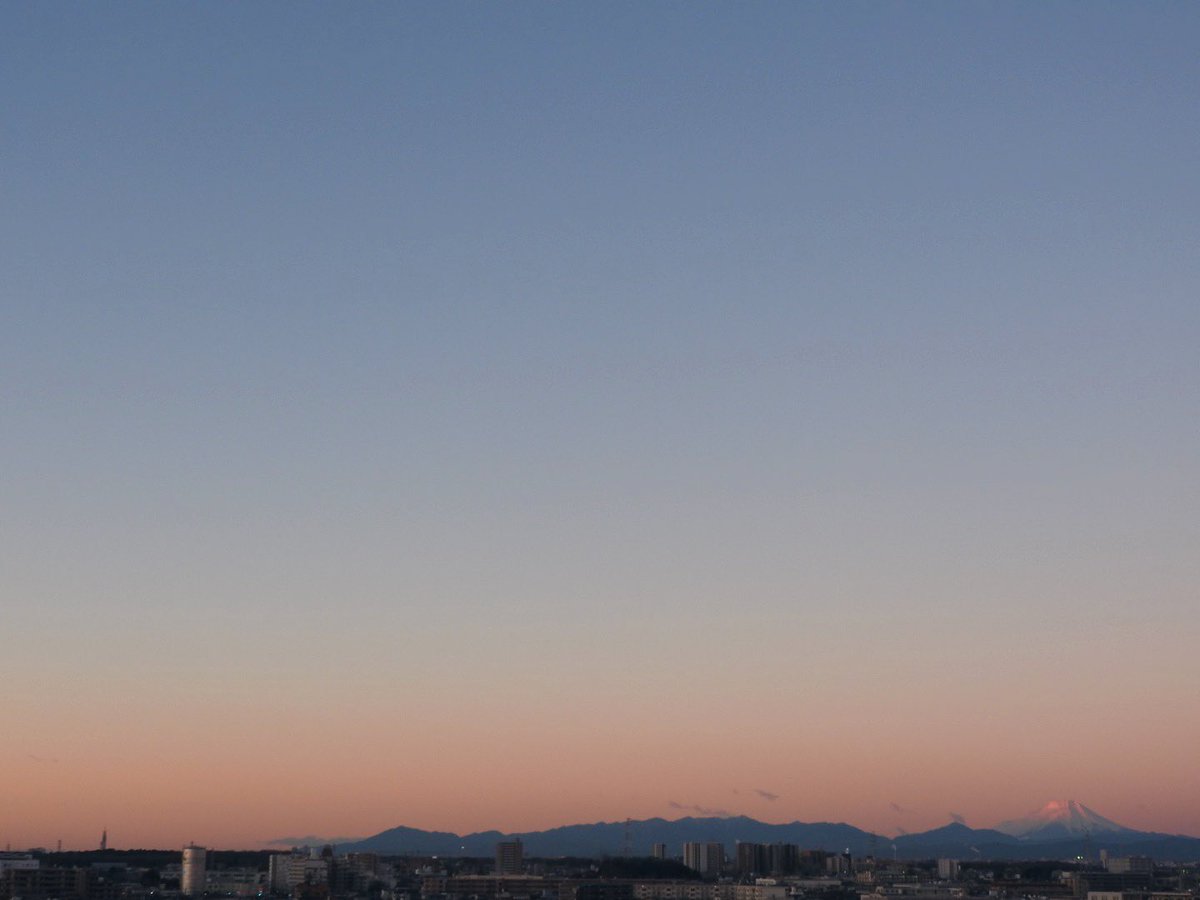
(310, 840)
(1060, 830)
(606, 838)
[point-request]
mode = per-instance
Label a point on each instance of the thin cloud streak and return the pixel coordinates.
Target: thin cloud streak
(697, 808)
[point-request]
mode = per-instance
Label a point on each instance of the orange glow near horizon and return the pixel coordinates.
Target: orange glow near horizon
(223, 780)
(237, 754)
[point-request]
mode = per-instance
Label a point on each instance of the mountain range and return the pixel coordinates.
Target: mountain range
(1060, 830)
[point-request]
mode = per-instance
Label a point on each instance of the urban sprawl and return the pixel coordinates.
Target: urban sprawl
(703, 871)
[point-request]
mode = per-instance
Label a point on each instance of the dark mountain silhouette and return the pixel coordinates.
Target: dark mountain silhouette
(607, 838)
(954, 840)
(959, 841)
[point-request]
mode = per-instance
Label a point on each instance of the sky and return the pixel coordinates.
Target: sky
(477, 416)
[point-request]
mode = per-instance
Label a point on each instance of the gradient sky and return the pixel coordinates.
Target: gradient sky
(508, 415)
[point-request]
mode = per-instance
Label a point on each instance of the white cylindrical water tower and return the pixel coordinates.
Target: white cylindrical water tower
(193, 882)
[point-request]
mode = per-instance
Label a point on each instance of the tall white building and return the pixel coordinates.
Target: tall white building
(706, 857)
(194, 879)
(287, 871)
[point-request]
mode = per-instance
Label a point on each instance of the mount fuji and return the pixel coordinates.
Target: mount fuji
(1060, 820)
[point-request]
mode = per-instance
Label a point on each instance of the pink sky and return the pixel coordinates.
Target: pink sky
(509, 415)
(162, 768)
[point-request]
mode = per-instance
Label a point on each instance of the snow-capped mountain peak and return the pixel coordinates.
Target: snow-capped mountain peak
(1060, 818)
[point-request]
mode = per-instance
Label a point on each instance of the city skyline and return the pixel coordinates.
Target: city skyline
(474, 416)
